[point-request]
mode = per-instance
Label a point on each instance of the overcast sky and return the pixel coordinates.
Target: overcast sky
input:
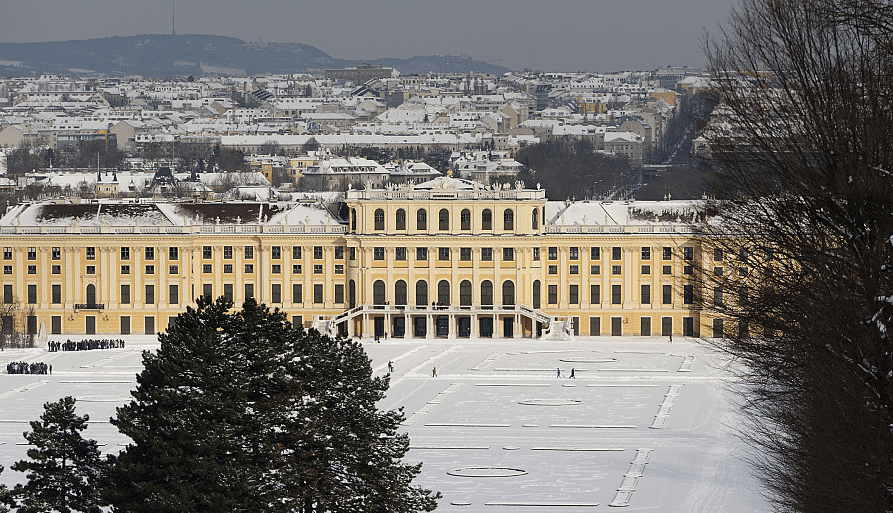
(549, 35)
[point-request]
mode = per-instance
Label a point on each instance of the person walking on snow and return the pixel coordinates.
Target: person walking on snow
(559, 373)
(572, 374)
(434, 372)
(390, 366)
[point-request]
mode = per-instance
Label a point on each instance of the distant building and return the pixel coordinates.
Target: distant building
(361, 74)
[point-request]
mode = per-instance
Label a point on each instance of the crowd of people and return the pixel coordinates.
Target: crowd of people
(28, 368)
(84, 345)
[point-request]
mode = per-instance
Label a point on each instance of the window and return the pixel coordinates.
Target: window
(7, 269)
(317, 293)
(595, 253)
(297, 293)
(443, 219)
(249, 252)
(667, 253)
(353, 253)
(55, 269)
(32, 269)
(32, 294)
(296, 252)
(174, 294)
(688, 294)
(56, 294)
(717, 255)
(616, 295)
(667, 269)
(508, 293)
(317, 268)
(595, 294)
(595, 269)
(228, 292)
(91, 253)
(443, 253)
(339, 269)
(443, 292)
(667, 295)
(616, 269)
(421, 220)
(552, 253)
(91, 269)
(249, 268)
(465, 254)
(7, 294)
(552, 294)
(688, 253)
(742, 270)
(465, 219)
(616, 253)
(536, 294)
(536, 254)
(646, 269)
(646, 294)
(339, 293)
(718, 295)
(553, 269)
(535, 219)
(125, 253)
(149, 253)
(276, 293)
(276, 252)
(227, 252)
(486, 219)
(175, 269)
(378, 217)
(150, 269)
(574, 269)
(508, 219)
(249, 291)
(421, 253)
(508, 254)
(742, 254)
(487, 254)
(173, 253)
(687, 269)
(150, 294)
(573, 253)
(400, 294)
(646, 253)
(208, 290)
(317, 253)
(206, 252)
(339, 252)
(421, 293)
(125, 294)
(378, 253)
(400, 253)
(717, 271)
(274, 269)
(573, 294)
(207, 269)
(7, 253)
(297, 268)
(400, 219)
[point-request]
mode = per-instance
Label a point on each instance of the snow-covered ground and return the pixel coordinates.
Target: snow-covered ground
(645, 425)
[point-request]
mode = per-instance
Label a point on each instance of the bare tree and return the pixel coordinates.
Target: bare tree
(800, 144)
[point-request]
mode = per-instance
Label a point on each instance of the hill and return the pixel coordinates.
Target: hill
(167, 55)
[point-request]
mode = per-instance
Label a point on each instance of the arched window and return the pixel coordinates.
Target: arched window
(353, 219)
(379, 219)
(465, 219)
(508, 219)
(443, 219)
(378, 292)
(421, 220)
(421, 293)
(400, 292)
(508, 293)
(443, 292)
(465, 293)
(400, 219)
(486, 219)
(91, 294)
(536, 294)
(352, 293)
(535, 219)
(487, 293)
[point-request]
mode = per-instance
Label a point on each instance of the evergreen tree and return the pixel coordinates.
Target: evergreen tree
(242, 411)
(65, 471)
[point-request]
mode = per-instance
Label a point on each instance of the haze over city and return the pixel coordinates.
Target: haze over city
(566, 35)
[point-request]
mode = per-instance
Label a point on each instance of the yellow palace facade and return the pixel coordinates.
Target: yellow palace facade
(446, 258)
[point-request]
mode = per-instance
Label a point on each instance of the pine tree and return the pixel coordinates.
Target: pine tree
(65, 471)
(242, 411)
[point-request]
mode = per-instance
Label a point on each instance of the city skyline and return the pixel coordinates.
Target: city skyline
(563, 35)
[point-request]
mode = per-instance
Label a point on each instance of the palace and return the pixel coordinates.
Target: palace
(445, 258)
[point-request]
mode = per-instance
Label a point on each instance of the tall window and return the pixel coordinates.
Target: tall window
(378, 292)
(400, 292)
(91, 295)
(443, 220)
(400, 219)
(487, 293)
(379, 219)
(465, 219)
(646, 294)
(573, 294)
(150, 294)
(125, 294)
(465, 293)
(508, 293)
(276, 293)
(508, 219)
(486, 219)
(535, 219)
(173, 252)
(421, 293)
(616, 295)
(536, 293)
(421, 220)
(443, 292)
